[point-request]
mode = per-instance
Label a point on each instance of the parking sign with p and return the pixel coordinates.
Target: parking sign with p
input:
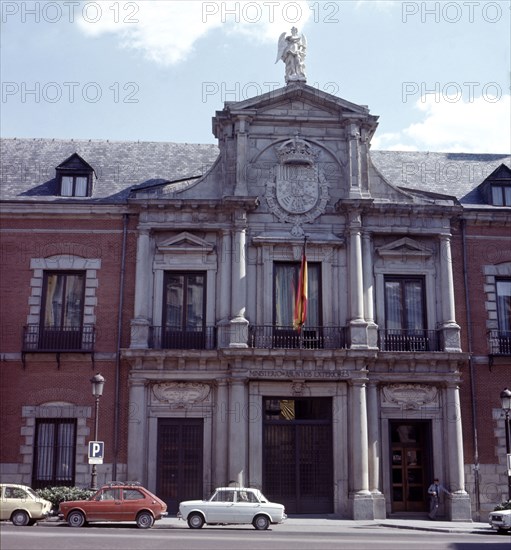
(96, 452)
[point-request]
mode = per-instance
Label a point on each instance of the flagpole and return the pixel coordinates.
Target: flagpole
(304, 257)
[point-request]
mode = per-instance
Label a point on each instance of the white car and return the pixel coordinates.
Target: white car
(231, 505)
(22, 505)
(500, 520)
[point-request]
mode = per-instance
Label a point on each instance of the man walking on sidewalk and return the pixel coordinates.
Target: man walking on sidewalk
(434, 496)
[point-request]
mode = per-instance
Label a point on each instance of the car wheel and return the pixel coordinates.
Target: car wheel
(20, 518)
(145, 520)
(195, 521)
(76, 519)
(261, 523)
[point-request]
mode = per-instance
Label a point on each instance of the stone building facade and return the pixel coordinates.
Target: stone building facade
(208, 383)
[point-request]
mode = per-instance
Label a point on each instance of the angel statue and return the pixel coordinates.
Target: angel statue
(291, 50)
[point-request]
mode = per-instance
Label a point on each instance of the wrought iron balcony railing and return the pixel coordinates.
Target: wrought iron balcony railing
(408, 340)
(182, 338)
(274, 337)
(499, 342)
(41, 338)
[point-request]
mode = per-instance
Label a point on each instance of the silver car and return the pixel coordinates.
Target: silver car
(22, 505)
(232, 505)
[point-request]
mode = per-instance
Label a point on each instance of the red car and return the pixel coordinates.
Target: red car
(115, 502)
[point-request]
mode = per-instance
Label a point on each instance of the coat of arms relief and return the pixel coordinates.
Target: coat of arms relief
(298, 193)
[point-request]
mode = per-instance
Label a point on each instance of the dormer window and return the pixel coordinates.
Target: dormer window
(501, 195)
(496, 188)
(74, 177)
(74, 186)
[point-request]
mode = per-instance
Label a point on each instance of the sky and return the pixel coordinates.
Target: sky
(436, 73)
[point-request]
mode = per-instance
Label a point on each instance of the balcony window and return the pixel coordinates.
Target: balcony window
(54, 453)
(184, 310)
(286, 276)
(405, 318)
(500, 340)
(62, 311)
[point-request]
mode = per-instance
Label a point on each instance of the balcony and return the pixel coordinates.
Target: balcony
(408, 340)
(499, 342)
(38, 338)
(182, 338)
(278, 337)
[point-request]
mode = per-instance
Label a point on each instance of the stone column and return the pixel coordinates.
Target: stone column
(238, 431)
(358, 325)
(451, 330)
(220, 477)
(368, 275)
(140, 324)
(374, 450)
(373, 436)
(137, 432)
(239, 325)
(460, 509)
(360, 496)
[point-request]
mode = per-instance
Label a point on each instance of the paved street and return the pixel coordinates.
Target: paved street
(295, 533)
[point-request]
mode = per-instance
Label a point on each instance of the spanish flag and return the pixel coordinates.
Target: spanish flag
(300, 312)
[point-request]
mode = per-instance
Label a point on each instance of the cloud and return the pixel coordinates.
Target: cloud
(479, 125)
(166, 31)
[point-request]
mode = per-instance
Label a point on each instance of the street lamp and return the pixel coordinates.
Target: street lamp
(505, 400)
(97, 382)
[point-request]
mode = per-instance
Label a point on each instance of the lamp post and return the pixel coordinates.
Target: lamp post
(97, 382)
(505, 399)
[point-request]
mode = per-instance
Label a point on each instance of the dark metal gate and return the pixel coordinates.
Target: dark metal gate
(179, 463)
(297, 456)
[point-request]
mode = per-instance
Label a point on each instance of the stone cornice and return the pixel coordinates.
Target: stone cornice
(34, 209)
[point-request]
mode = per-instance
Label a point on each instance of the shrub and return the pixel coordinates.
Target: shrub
(56, 495)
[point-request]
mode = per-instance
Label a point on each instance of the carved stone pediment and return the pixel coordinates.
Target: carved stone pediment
(185, 243)
(410, 396)
(404, 247)
(181, 394)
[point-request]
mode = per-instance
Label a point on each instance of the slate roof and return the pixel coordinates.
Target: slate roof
(27, 168)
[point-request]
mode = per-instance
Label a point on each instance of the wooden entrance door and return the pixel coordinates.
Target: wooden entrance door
(179, 463)
(410, 465)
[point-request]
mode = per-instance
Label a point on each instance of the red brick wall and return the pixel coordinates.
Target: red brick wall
(41, 380)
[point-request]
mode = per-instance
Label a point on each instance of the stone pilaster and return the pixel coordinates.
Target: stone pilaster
(368, 274)
(137, 436)
(140, 324)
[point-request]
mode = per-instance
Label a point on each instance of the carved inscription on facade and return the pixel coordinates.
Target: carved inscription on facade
(409, 396)
(181, 394)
